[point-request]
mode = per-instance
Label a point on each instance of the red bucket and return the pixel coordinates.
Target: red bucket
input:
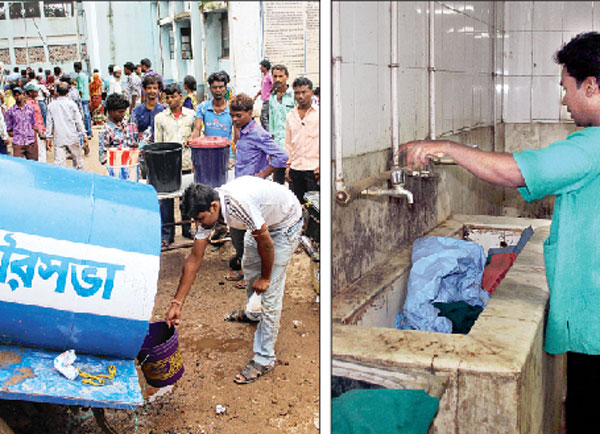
(159, 357)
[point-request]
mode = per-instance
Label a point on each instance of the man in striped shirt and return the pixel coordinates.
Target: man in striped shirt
(272, 218)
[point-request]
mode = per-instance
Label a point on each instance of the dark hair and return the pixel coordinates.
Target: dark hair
(130, 66)
(150, 79)
(77, 66)
(190, 82)
(96, 70)
(111, 68)
(218, 76)
(197, 198)
(62, 88)
(23, 73)
(172, 88)
(16, 69)
(241, 102)
(302, 81)
(146, 63)
(281, 67)
(47, 72)
(266, 64)
(65, 78)
(116, 101)
(31, 75)
(57, 71)
(227, 78)
(581, 56)
(40, 69)
(317, 91)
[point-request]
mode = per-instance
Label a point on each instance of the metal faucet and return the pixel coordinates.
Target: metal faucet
(398, 179)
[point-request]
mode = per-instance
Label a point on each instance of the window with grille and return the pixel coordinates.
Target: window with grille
(171, 45)
(186, 43)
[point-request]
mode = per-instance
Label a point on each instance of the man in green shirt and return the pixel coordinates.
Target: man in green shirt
(280, 104)
(83, 86)
(570, 170)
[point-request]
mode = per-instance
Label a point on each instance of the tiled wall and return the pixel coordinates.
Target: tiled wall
(533, 32)
(463, 57)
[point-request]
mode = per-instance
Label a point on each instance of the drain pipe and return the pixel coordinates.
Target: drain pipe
(431, 70)
(394, 84)
(337, 103)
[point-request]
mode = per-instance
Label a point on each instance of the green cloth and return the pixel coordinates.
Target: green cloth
(462, 315)
(83, 86)
(570, 170)
(278, 112)
(380, 411)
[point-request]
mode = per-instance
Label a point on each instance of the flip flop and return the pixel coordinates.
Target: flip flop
(239, 316)
(240, 285)
(235, 276)
(252, 372)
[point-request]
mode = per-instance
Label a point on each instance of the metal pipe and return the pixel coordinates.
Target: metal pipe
(431, 70)
(394, 84)
(397, 191)
(494, 79)
(337, 98)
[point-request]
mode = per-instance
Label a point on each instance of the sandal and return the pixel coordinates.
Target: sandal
(240, 285)
(164, 244)
(239, 316)
(252, 372)
(235, 277)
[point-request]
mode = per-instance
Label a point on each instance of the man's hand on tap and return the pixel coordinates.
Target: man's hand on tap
(420, 152)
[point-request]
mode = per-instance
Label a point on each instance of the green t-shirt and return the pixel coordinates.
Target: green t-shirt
(83, 86)
(570, 170)
(278, 111)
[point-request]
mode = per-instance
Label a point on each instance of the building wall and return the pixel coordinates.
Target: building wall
(112, 32)
(367, 230)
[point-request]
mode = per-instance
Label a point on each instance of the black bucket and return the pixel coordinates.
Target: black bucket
(163, 165)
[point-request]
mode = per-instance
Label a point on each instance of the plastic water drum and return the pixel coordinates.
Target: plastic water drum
(163, 163)
(210, 156)
(79, 259)
(159, 357)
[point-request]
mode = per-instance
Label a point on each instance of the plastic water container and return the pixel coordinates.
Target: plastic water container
(163, 164)
(210, 156)
(82, 274)
(123, 164)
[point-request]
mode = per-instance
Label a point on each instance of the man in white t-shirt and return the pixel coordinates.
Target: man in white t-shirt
(272, 218)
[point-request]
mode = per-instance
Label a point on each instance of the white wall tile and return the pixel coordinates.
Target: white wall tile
(487, 102)
(596, 18)
(467, 100)
(364, 32)
(545, 45)
(406, 102)
(547, 15)
(447, 102)
(578, 16)
(518, 15)
(482, 52)
(517, 54)
(545, 98)
(517, 102)
(348, 109)
(421, 107)
(440, 82)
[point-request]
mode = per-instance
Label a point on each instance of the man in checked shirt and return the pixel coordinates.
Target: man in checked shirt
(272, 218)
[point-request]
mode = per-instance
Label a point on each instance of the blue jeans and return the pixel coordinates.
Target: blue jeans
(42, 105)
(285, 242)
(87, 119)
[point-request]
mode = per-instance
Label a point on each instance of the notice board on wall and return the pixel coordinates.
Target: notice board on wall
(291, 37)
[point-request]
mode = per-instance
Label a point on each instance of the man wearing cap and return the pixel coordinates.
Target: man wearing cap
(114, 85)
(21, 126)
(31, 90)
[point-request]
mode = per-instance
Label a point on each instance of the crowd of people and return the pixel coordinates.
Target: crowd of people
(56, 111)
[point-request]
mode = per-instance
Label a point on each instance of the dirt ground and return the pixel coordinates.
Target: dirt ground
(284, 401)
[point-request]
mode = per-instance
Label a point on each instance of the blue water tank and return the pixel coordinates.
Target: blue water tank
(79, 259)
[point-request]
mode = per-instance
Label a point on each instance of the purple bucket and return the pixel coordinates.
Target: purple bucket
(159, 357)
